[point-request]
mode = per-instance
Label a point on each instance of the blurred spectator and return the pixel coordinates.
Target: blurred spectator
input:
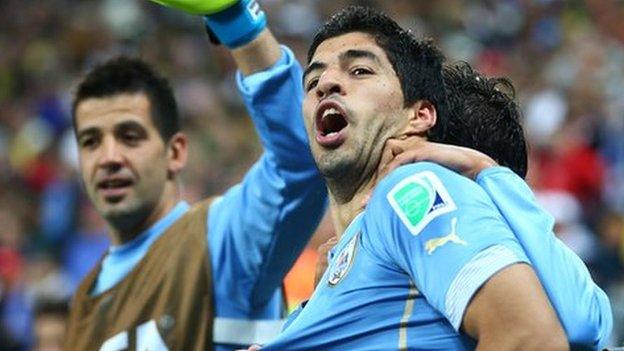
(50, 325)
(85, 248)
(569, 227)
(608, 264)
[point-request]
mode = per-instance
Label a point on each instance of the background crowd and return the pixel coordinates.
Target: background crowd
(566, 59)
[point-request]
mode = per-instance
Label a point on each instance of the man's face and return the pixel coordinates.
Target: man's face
(50, 333)
(123, 159)
(353, 104)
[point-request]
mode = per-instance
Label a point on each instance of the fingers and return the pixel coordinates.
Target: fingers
(416, 152)
(392, 148)
(366, 199)
(408, 156)
(388, 154)
(463, 160)
(321, 264)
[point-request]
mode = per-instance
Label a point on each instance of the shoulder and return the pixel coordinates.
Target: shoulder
(420, 183)
(428, 171)
(425, 178)
(420, 192)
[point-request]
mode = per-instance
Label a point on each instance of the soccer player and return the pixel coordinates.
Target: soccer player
(203, 276)
(481, 116)
(430, 256)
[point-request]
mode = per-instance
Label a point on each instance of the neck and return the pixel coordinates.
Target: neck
(127, 227)
(345, 209)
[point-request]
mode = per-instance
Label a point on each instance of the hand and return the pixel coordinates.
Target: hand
(463, 160)
(251, 348)
(411, 149)
(321, 264)
(198, 7)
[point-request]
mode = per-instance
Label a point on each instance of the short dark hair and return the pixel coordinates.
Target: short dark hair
(52, 307)
(417, 63)
(128, 75)
(483, 115)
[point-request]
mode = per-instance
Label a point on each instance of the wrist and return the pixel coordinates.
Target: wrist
(238, 24)
(479, 163)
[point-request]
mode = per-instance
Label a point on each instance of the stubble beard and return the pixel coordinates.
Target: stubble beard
(125, 215)
(341, 173)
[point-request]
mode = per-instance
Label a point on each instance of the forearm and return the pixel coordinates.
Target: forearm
(264, 223)
(273, 98)
(286, 174)
(241, 26)
(258, 55)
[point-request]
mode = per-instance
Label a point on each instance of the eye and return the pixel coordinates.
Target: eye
(131, 134)
(312, 84)
(360, 71)
(88, 142)
(130, 137)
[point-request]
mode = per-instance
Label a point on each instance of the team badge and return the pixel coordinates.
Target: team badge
(420, 198)
(341, 265)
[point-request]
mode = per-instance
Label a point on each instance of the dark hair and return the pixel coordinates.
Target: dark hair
(417, 63)
(54, 307)
(126, 75)
(483, 115)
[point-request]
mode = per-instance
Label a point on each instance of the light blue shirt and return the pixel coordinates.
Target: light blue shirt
(583, 308)
(121, 259)
(257, 229)
(405, 269)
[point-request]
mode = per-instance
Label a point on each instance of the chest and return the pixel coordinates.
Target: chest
(163, 303)
(372, 301)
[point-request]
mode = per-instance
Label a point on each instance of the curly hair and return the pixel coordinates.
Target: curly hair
(483, 115)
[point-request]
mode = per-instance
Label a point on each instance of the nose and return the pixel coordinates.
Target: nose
(329, 83)
(111, 157)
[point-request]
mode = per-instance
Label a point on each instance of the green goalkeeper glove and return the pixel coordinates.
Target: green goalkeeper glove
(233, 22)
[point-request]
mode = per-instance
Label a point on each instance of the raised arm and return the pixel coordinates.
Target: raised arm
(257, 229)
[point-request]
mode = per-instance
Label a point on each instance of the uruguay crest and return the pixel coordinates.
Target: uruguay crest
(341, 265)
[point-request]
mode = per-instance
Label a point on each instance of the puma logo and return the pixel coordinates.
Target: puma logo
(432, 244)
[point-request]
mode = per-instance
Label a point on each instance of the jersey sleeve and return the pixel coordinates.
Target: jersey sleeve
(444, 231)
(583, 308)
(259, 227)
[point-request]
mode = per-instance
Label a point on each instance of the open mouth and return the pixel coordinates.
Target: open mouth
(330, 122)
(114, 183)
(114, 189)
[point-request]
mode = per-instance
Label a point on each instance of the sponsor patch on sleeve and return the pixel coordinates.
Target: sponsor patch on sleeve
(420, 198)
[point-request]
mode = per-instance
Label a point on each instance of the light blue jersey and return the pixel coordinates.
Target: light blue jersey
(257, 229)
(583, 308)
(406, 268)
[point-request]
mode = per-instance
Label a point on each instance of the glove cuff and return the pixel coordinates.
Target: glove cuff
(237, 25)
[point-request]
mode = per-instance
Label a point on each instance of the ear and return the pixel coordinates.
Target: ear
(423, 116)
(177, 154)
